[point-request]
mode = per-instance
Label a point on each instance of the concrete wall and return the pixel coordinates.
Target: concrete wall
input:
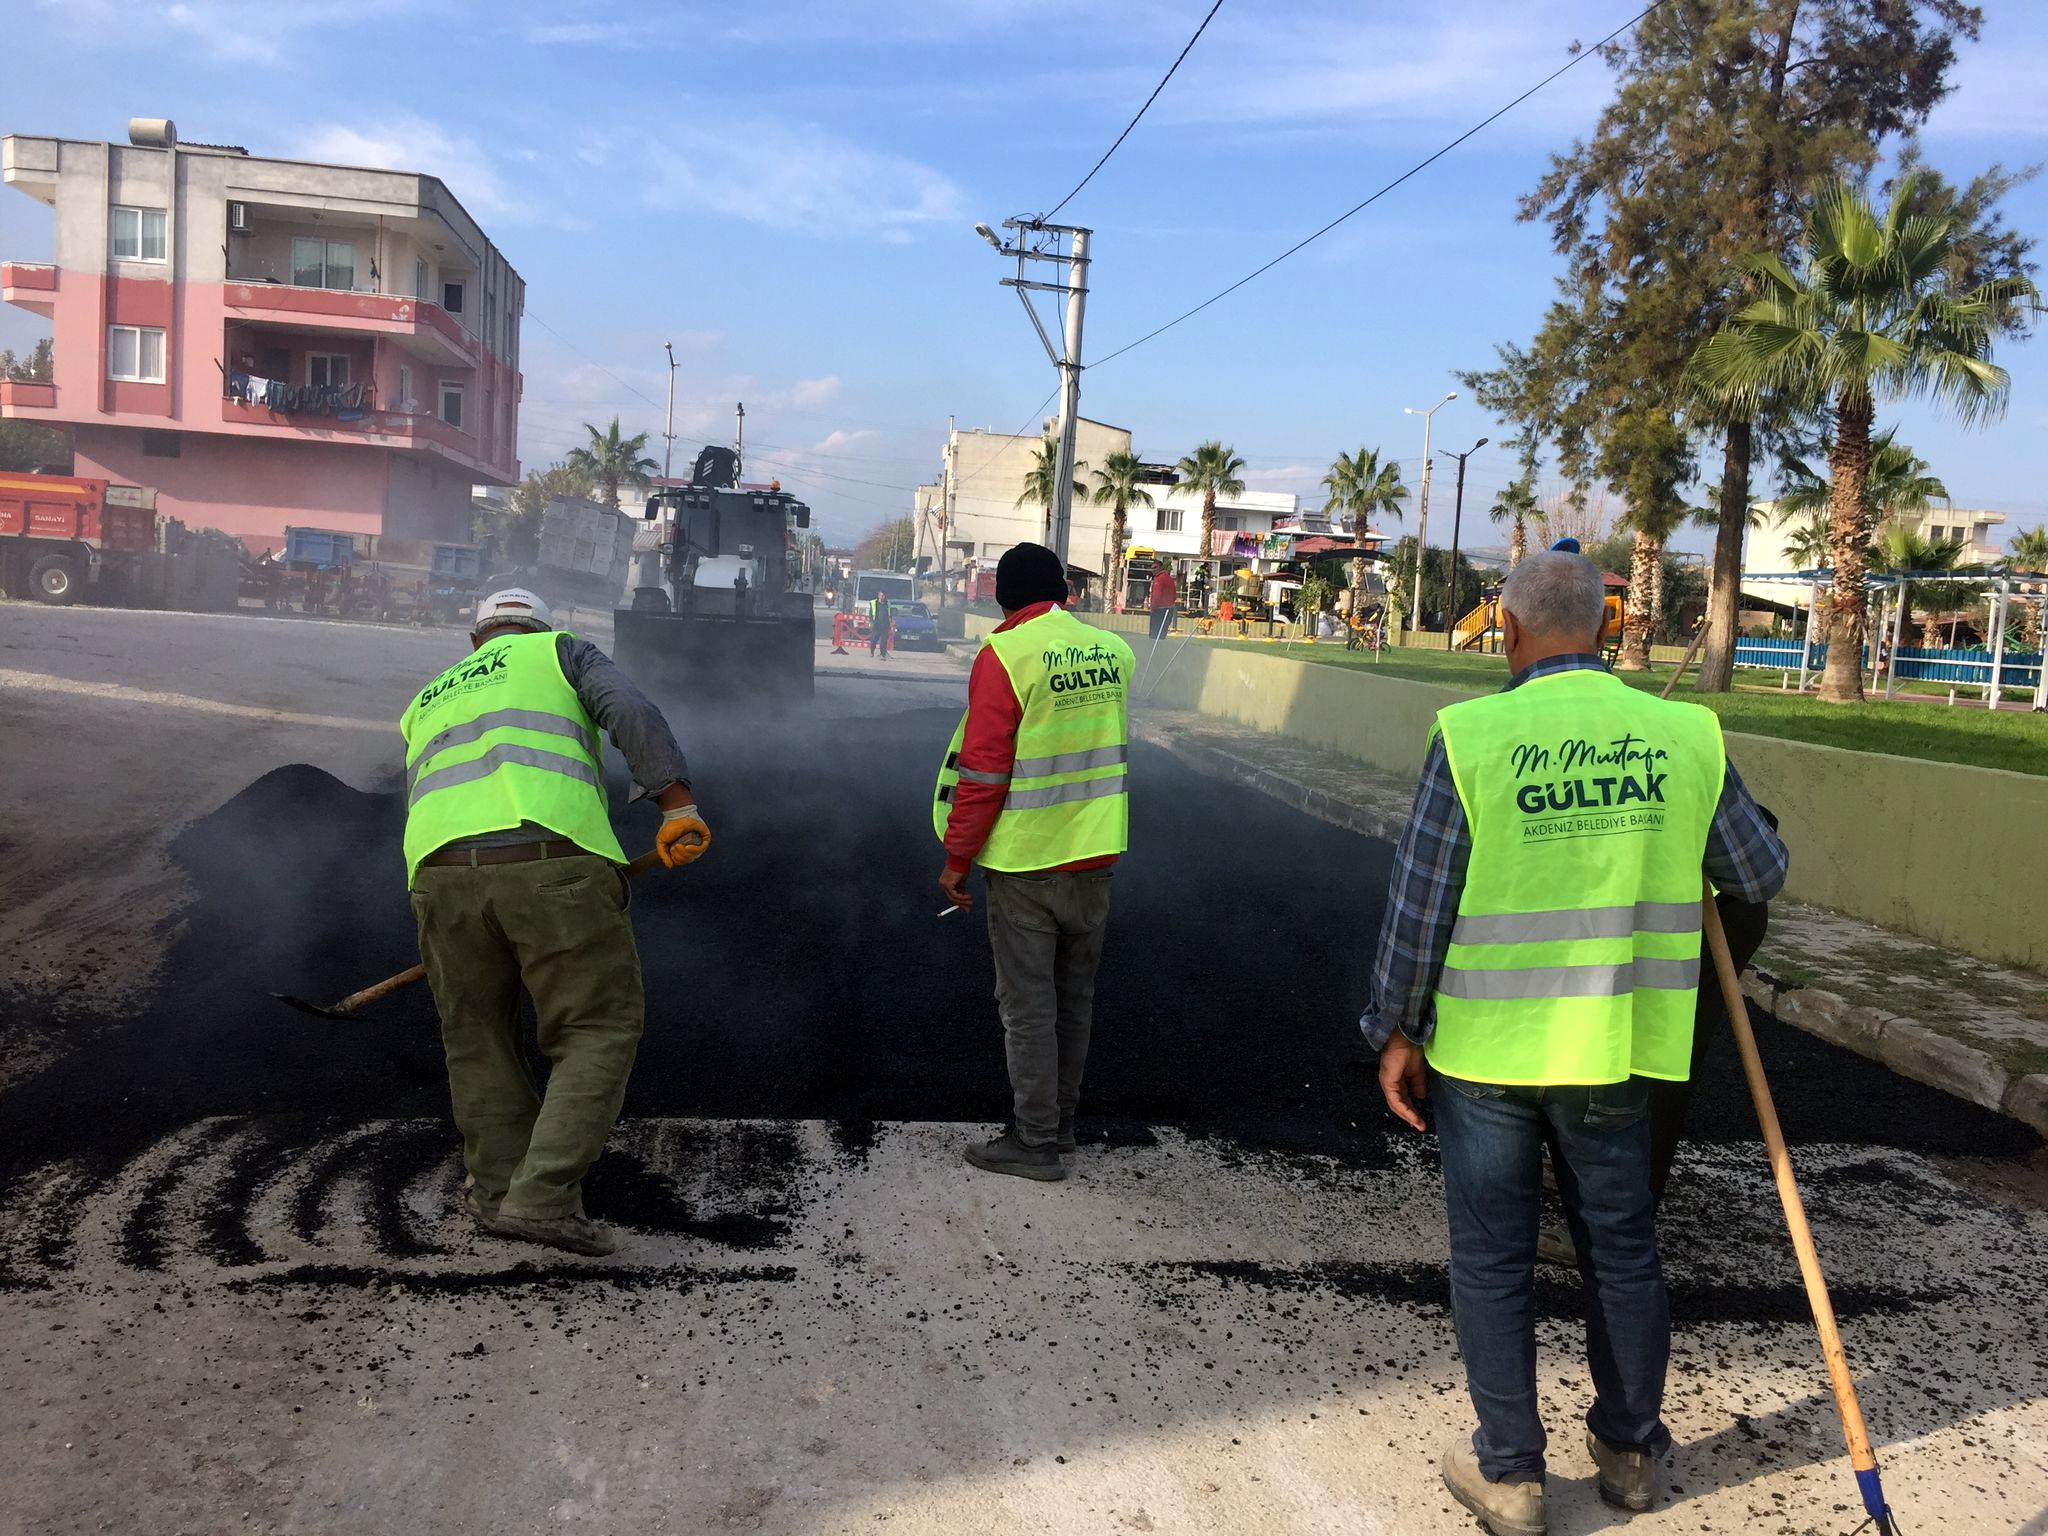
(1934, 849)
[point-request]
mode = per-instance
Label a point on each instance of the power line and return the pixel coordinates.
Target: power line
(1098, 165)
(1573, 62)
(600, 367)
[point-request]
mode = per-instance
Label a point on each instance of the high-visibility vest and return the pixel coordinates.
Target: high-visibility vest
(1067, 795)
(1576, 955)
(499, 739)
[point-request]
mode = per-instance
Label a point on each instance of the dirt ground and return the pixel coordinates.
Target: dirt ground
(234, 1295)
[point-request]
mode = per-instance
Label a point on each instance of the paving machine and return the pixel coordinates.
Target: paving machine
(718, 613)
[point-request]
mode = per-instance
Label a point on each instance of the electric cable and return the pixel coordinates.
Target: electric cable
(1573, 62)
(1098, 165)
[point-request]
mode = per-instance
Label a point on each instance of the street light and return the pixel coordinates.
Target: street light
(989, 235)
(1457, 523)
(1422, 509)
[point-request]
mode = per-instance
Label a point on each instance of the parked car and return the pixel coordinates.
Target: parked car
(915, 630)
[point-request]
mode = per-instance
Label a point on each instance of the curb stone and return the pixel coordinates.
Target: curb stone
(1906, 1046)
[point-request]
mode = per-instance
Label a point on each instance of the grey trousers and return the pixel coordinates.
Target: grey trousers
(1046, 933)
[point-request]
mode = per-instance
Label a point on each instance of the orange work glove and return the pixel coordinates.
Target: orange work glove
(682, 837)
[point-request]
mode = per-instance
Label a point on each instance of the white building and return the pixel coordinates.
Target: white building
(1764, 550)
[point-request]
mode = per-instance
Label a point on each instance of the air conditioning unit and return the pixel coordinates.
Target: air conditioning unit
(238, 218)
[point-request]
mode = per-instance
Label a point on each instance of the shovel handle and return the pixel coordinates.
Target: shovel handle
(651, 859)
(1850, 1410)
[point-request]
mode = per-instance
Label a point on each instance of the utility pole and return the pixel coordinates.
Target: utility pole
(1422, 509)
(946, 511)
(1451, 614)
(1037, 240)
(668, 434)
(739, 441)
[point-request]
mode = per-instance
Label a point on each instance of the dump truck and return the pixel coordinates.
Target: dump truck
(718, 613)
(60, 534)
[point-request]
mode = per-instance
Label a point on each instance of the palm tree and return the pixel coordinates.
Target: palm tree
(609, 461)
(1212, 470)
(1874, 313)
(1898, 548)
(2029, 552)
(1807, 545)
(1361, 487)
(1041, 478)
(1899, 482)
(1116, 483)
(1515, 506)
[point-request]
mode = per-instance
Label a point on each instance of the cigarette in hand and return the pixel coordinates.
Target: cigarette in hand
(948, 911)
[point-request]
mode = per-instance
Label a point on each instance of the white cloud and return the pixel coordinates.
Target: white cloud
(796, 177)
(406, 143)
(226, 30)
(809, 393)
(838, 439)
(602, 34)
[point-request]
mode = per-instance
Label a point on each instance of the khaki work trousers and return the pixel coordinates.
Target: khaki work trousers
(559, 926)
(1046, 930)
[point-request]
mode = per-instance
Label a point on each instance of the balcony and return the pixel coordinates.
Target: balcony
(31, 284)
(425, 329)
(18, 395)
(384, 429)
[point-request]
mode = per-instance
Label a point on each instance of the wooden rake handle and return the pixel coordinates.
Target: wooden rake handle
(1846, 1405)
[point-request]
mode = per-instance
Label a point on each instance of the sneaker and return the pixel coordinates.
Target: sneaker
(1506, 1509)
(1554, 1246)
(1625, 1476)
(1064, 1143)
(572, 1234)
(1006, 1154)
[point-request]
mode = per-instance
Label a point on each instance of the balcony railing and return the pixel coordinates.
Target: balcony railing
(27, 394)
(383, 313)
(31, 284)
(304, 410)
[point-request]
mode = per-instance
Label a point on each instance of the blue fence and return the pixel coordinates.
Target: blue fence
(2020, 670)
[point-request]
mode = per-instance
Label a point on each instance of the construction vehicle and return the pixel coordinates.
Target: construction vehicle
(60, 534)
(718, 613)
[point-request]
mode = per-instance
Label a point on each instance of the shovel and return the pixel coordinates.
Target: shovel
(348, 1006)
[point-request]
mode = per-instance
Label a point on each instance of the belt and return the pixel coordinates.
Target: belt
(511, 853)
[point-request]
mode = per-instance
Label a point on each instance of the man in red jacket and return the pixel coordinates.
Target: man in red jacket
(1033, 789)
(1165, 593)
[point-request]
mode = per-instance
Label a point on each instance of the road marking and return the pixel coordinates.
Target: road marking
(115, 693)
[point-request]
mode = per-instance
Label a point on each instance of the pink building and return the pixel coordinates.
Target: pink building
(268, 342)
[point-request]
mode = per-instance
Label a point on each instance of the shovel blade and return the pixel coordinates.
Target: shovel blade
(314, 1009)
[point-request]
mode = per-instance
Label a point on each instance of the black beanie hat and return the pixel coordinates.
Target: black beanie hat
(1027, 574)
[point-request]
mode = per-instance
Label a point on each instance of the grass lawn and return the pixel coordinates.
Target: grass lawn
(1940, 733)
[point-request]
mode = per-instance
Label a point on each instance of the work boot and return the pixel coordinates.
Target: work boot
(1554, 1246)
(572, 1233)
(1626, 1477)
(1506, 1509)
(483, 1212)
(1006, 1154)
(1064, 1143)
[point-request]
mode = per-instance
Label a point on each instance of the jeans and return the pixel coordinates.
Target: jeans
(1045, 930)
(1162, 620)
(1492, 1139)
(559, 926)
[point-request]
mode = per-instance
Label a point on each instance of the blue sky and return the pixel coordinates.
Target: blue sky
(787, 191)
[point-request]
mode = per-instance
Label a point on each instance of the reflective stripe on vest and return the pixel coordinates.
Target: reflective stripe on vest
(1575, 785)
(498, 740)
(1066, 794)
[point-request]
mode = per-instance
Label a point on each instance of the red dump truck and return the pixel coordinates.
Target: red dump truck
(59, 533)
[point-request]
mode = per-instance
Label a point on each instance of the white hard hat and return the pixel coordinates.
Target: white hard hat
(514, 605)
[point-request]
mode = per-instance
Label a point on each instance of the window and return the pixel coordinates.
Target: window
(419, 278)
(138, 234)
(1168, 519)
(327, 370)
(320, 263)
(451, 404)
(135, 354)
(161, 445)
(1229, 522)
(405, 399)
(451, 298)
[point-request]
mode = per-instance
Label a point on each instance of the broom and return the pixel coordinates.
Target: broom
(1846, 1405)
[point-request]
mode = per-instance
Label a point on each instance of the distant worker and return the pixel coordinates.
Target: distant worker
(878, 625)
(516, 880)
(1536, 973)
(739, 592)
(1165, 593)
(1033, 790)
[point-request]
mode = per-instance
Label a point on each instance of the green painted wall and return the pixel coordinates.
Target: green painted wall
(1935, 849)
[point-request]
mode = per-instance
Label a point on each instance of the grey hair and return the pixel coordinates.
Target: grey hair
(1556, 594)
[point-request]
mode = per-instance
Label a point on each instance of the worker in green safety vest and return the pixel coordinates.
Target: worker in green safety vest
(878, 625)
(517, 880)
(1536, 974)
(1034, 790)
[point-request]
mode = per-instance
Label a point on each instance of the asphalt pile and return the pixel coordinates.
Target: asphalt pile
(796, 973)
